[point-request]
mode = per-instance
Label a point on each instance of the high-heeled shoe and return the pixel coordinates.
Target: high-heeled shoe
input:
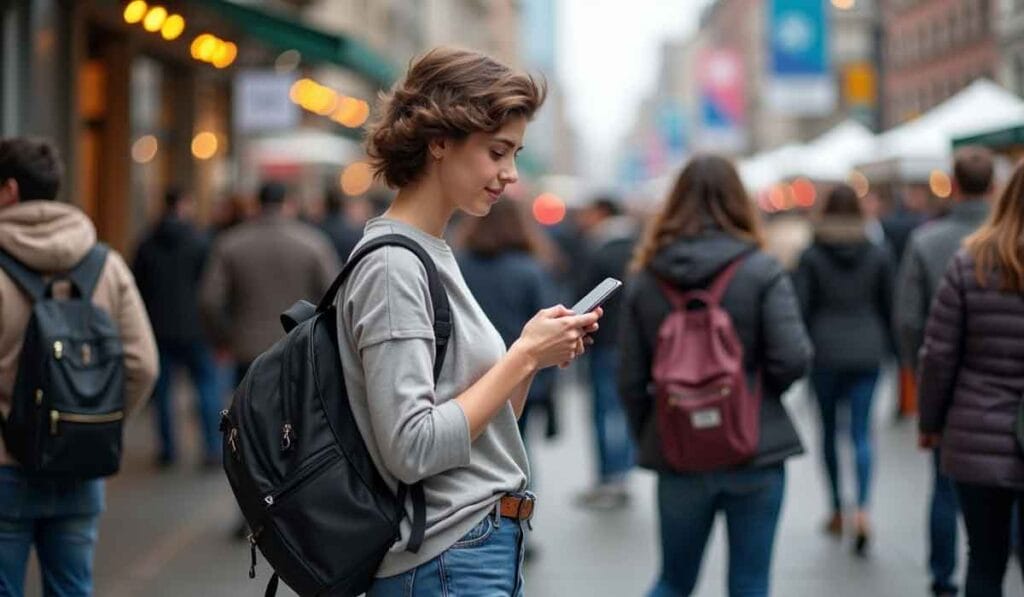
(862, 534)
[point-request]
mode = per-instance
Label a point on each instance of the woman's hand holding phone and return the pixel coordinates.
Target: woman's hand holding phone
(555, 336)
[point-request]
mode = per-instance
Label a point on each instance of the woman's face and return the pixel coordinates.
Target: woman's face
(475, 171)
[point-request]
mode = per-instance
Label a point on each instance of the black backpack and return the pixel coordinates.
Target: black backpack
(67, 409)
(319, 510)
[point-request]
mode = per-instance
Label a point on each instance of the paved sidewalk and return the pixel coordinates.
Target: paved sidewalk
(168, 533)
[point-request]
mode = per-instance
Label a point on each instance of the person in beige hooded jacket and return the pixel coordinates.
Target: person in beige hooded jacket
(59, 516)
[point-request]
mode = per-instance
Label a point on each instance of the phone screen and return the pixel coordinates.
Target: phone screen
(597, 296)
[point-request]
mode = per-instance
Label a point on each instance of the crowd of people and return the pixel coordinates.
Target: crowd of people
(685, 369)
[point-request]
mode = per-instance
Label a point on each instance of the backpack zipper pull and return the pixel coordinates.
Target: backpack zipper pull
(252, 552)
(286, 437)
(54, 419)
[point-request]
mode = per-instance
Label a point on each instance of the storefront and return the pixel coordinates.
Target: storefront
(138, 100)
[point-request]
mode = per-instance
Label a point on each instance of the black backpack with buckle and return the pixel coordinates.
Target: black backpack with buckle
(67, 408)
(319, 510)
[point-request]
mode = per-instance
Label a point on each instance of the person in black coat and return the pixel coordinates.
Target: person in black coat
(709, 222)
(845, 283)
(168, 266)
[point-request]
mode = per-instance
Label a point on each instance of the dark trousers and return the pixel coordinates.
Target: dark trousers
(988, 512)
(197, 359)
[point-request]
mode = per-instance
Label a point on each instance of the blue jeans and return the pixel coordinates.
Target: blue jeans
(858, 388)
(486, 561)
(687, 504)
(198, 360)
(60, 518)
(942, 529)
(614, 446)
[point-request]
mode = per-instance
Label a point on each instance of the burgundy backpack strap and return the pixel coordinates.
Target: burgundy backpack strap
(675, 296)
(722, 280)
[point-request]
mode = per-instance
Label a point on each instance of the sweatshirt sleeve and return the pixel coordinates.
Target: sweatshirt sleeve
(389, 313)
(140, 356)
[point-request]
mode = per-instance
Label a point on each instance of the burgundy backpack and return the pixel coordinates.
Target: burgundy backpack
(707, 417)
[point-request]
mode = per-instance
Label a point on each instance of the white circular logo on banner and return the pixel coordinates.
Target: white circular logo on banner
(795, 33)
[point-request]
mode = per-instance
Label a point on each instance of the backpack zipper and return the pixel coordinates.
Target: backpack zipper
(677, 398)
(317, 463)
(57, 416)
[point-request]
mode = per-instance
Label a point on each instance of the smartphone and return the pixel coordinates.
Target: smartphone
(596, 297)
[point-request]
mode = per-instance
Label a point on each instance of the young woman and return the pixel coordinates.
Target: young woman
(446, 138)
(972, 385)
(845, 283)
(708, 223)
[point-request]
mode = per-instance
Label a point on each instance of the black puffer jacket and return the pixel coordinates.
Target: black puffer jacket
(972, 377)
(845, 284)
(167, 268)
(763, 306)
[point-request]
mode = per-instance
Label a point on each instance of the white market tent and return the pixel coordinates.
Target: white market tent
(912, 150)
(828, 158)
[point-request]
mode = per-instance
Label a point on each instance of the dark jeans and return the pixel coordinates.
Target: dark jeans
(857, 388)
(197, 359)
(611, 431)
(987, 516)
(59, 518)
(942, 530)
(687, 504)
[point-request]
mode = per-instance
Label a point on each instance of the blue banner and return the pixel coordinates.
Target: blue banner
(799, 37)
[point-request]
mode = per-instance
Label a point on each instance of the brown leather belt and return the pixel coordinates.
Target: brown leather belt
(517, 506)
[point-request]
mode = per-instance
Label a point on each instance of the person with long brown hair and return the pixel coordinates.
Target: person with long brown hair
(972, 385)
(707, 227)
(504, 260)
(845, 284)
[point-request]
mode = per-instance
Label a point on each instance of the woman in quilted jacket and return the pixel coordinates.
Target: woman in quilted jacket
(972, 385)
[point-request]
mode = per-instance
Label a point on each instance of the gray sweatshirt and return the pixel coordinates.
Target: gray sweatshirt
(413, 431)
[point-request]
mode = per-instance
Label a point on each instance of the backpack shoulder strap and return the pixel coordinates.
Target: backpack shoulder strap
(86, 274)
(438, 296)
(721, 282)
(442, 333)
(27, 279)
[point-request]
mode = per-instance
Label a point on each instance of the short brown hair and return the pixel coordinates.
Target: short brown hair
(707, 194)
(972, 169)
(447, 93)
(34, 163)
(842, 201)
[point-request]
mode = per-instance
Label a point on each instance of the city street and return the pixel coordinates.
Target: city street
(169, 534)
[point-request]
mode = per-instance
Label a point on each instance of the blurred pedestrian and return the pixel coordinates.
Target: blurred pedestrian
(501, 263)
(928, 254)
(845, 286)
(709, 228)
(610, 237)
(168, 266)
(446, 138)
(972, 385)
(256, 270)
(57, 515)
(343, 234)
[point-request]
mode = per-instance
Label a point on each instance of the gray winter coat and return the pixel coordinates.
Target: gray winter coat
(928, 253)
(972, 377)
(763, 307)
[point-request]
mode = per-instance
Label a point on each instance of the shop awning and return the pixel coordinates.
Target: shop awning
(287, 33)
(998, 139)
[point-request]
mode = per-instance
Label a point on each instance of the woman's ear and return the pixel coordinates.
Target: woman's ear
(438, 148)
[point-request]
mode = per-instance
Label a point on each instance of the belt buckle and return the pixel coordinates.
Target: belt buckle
(526, 497)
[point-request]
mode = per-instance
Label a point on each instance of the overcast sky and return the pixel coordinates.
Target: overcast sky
(608, 54)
